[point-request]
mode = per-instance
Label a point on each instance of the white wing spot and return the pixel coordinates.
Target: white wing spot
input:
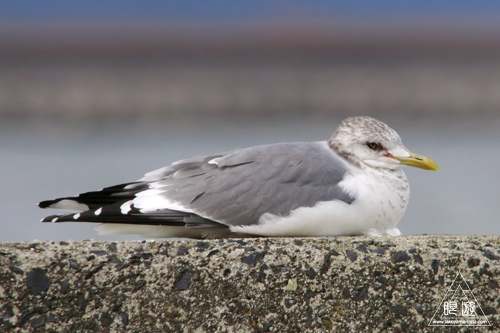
(76, 216)
(126, 207)
(98, 212)
(214, 161)
(68, 204)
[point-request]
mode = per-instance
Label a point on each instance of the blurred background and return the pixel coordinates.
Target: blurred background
(97, 93)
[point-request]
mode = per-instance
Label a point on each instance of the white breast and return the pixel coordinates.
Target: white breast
(381, 199)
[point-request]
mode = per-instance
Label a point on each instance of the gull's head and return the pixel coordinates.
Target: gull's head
(366, 141)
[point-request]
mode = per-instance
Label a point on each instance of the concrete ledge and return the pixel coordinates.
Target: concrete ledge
(261, 285)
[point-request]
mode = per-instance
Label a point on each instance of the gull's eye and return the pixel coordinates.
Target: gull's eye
(375, 146)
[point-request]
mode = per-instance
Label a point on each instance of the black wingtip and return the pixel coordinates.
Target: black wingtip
(51, 218)
(46, 203)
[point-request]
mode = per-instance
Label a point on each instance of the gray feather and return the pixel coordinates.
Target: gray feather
(247, 183)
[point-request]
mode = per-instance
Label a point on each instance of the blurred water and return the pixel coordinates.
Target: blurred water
(44, 160)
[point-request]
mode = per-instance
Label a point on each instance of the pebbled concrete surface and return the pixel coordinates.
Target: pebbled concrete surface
(253, 285)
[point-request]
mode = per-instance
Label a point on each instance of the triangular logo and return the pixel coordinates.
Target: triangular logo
(459, 307)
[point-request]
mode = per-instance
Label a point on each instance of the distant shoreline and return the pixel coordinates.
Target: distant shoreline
(76, 90)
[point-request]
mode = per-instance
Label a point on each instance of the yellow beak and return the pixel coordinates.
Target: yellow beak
(418, 161)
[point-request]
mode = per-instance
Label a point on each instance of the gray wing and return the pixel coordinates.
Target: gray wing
(237, 188)
(217, 191)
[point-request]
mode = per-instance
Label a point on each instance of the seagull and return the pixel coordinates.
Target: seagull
(351, 184)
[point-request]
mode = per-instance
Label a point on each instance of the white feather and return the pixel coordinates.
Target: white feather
(67, 204)
(155, 199)
(126, 207)
(214, 161)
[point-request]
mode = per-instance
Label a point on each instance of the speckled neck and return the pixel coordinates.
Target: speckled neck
(342, 153)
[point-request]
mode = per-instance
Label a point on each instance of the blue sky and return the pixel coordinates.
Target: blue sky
(229, 10)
